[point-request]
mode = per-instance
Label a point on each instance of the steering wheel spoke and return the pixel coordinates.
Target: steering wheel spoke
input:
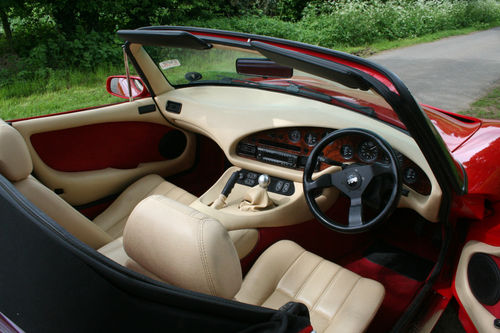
(322, 182)
(356, 212)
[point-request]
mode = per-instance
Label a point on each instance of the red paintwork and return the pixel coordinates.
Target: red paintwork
(121, 145)
(480, 156)
(453, 131)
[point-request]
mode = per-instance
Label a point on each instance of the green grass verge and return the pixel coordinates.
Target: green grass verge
(55, 101)
(58, 91)
(487, 106)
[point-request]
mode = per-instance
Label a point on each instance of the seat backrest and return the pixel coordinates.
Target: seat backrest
(182, 247)
(16, 166)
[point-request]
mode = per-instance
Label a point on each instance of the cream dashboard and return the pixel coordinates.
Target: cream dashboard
(269, 132)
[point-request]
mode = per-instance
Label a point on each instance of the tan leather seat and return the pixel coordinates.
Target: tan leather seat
(16, 166)
(176, 244)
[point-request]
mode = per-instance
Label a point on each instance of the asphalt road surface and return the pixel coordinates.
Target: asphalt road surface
(450, 73)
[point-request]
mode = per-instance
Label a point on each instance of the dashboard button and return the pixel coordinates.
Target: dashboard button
(279, 186)
(249, 182)
(286, 187)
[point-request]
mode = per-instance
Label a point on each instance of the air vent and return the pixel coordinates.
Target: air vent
(174, 107)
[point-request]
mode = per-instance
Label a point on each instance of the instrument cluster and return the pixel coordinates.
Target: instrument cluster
(290, 147)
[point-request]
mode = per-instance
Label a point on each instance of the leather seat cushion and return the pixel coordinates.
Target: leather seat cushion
(113, 219)
(338, 300)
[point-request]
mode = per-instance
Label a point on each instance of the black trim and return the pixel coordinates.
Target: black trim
(146, 108)
(169, 38)
(139, 70)
(483, 276)
(323, 68)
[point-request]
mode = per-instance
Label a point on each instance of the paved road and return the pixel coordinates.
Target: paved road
(450, 73)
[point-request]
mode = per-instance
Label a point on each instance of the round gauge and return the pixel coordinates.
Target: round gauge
(311, 139)
(346, 151)
(368, 151)
(410, 176)
(399, 157)
(294, 135)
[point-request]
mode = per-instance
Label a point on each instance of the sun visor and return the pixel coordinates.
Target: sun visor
(170, 38)
(313, 65)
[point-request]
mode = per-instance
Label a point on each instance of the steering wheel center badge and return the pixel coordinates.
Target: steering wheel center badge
(353, 180)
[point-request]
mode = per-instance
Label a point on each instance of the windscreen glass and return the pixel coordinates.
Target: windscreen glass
(227, 65)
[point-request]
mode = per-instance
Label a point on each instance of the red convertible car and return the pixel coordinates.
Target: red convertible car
(249, 184)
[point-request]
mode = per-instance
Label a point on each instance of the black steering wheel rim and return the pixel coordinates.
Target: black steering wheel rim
(359, 174)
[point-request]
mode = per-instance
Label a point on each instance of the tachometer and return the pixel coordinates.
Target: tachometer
(368, 151)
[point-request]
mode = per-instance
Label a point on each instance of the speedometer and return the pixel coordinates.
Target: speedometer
(368, 151)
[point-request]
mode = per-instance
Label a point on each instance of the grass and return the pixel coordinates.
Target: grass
(487, 106)
(58, 91)
(55, 101)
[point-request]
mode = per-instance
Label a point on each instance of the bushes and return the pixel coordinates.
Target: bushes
(335, 23)
(354, 23)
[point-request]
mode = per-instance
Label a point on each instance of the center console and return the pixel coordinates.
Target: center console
(290, 206)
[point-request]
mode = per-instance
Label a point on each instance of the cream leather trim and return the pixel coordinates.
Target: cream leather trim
(83, 187)
(244, 240)
(228, 114)
(116, 252)
(338, 299)
(183, 247)
(15, 161)
(61, 212)
(155, 77)
(289, 209)
(482, 319)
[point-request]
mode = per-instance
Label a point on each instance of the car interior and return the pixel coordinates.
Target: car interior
(228, 190)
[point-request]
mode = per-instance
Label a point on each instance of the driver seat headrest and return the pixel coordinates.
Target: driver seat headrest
(183, 247)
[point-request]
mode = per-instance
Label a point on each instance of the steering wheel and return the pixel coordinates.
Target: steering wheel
(352, 180)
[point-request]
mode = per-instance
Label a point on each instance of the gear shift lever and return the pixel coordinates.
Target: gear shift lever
(256, 198)
(264, 181)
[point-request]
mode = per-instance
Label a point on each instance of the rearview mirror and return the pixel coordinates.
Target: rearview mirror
(262, 67)
(117, 85)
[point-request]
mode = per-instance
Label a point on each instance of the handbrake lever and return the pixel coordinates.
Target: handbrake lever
(220, 202)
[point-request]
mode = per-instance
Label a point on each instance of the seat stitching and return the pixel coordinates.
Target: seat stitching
(204, 258)
(345, 299)
(307, 279)
(323, 293)
(287, 270)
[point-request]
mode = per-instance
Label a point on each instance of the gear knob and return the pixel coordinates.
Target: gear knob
(264, 181)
